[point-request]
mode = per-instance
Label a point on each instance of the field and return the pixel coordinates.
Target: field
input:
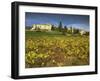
(52, 49)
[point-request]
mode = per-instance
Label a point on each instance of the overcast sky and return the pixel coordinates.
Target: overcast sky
(79, 21)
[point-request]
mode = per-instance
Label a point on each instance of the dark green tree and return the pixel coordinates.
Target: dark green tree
(87, 33)
(65, 28)
(71, 29)
(76, 31)
(60, 26)
(53, 28)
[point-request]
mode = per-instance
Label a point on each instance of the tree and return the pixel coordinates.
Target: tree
(87, 33)
(53, 27)
(76, 31)
(60, 26)
(69, 31)
(65, 28)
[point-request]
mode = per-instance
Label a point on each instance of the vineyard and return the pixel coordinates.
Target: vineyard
(48, 50)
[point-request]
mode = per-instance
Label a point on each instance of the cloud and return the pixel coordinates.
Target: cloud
(79, 26)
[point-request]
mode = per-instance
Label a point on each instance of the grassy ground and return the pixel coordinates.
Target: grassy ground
(52, 49)
(32, 34)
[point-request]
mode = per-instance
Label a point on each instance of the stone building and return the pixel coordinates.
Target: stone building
(46, 27)
(82, 32)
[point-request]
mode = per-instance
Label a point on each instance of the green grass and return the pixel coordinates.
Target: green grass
(31, 33)
(49, 34)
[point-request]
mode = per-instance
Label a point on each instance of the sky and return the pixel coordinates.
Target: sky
(77, 21)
